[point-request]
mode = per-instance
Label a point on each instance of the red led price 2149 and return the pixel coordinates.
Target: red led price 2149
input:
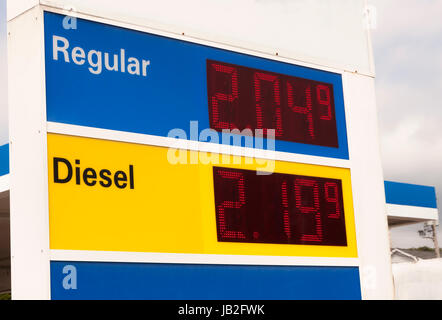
(299, 110)
(278, 208)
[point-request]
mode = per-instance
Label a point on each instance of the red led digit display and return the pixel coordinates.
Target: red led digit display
(278, 208)
(299, 110)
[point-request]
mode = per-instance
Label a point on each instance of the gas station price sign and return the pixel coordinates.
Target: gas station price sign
(298, 207)
(112, 187)
(136, 84)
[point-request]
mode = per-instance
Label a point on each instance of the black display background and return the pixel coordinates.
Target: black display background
(238, 109)
(259, 216)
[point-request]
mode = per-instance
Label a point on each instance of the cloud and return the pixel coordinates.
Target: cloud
(3, 77)
(409, 82)
(408, 57)
(407, 19)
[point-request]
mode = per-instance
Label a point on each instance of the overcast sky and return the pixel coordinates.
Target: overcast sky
(408, 56)
(3, 76)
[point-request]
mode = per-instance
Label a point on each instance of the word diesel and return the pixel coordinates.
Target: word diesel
(91, 177)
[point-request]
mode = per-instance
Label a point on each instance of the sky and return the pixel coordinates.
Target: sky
(408, 57)
(3, 76)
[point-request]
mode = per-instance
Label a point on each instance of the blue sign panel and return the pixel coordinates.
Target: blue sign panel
(90, 280)
(4, 159)
(410, 194)
(113, 78)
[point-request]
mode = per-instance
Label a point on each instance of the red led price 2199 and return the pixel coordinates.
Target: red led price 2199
(299, 110)
(278, 208)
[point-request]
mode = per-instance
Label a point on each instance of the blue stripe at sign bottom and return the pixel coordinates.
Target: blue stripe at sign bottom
(137, 281)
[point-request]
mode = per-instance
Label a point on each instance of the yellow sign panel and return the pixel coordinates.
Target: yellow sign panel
(116, 196)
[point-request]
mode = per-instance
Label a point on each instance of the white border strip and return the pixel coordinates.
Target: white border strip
(412, 212)
(145, 139)
(178, 34)
(182, 258)
(4, 183)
